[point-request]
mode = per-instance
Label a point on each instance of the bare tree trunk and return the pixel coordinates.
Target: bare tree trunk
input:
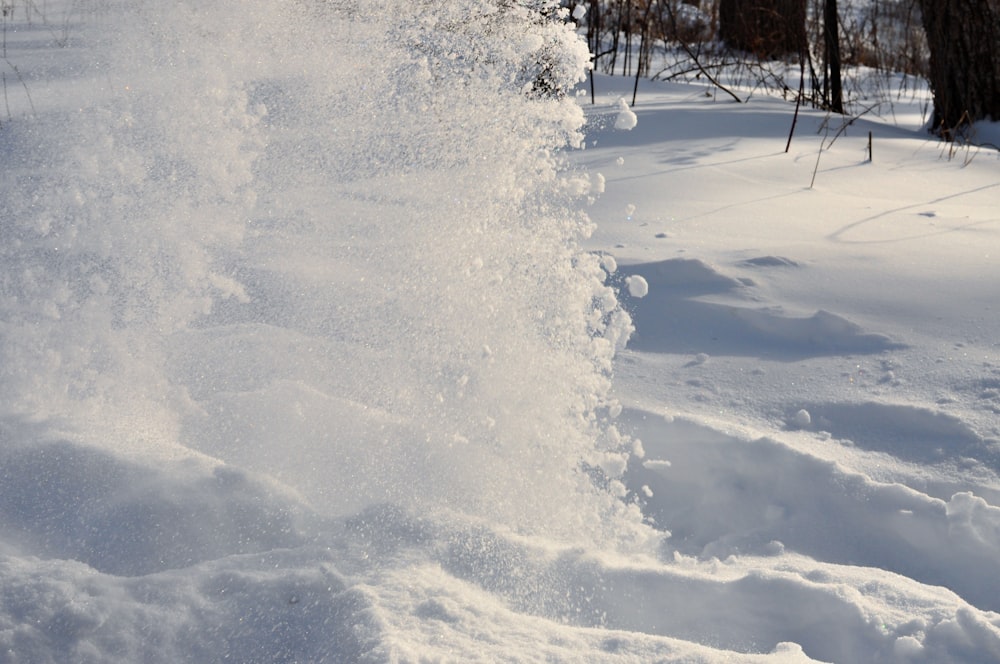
(963, 36)
(831, 37)
(766, 28)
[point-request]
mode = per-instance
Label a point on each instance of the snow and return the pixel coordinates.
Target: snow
(626, 120)
(802, 418)
(309, 362)
(637, 286)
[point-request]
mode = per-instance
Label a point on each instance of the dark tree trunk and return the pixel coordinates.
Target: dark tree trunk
(831, 37)
(766, 28)
(963, 36)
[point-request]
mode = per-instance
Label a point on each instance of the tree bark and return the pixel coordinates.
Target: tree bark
(963, 37)
(766, 28)
(831, 37)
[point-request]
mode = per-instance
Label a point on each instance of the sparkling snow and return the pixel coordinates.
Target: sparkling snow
(306, 356)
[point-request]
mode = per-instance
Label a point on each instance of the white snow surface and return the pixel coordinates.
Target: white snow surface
(312, 349)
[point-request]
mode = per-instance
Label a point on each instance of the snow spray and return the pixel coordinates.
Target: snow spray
(326, 242)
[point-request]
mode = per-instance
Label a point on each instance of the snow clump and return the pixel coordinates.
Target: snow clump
(637, 286)
(626, 118)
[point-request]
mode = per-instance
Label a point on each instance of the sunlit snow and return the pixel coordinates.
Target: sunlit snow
(337, 333)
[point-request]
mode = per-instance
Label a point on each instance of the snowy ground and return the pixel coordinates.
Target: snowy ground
(814, 372)
(300, 361)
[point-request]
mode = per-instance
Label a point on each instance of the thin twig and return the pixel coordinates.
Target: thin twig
(798, 101)
(849, 121)
(711, 79)
(23, 84)
(6, 101)
(819, 153)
